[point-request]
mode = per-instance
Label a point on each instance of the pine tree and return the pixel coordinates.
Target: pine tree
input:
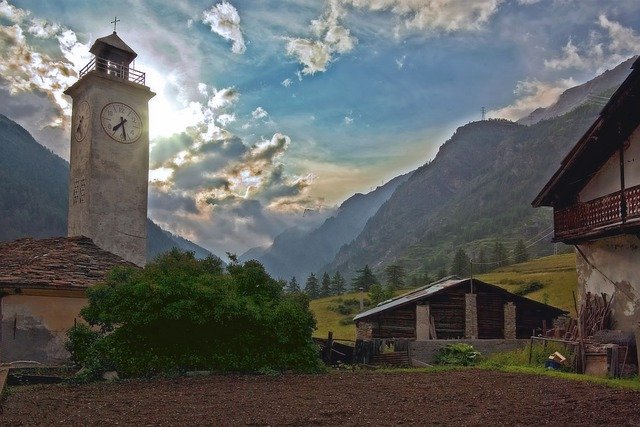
(293, 285)
(520, 252)
(500, 256)
(481, 265)
(311, 287)
(461, 264)
(325, 287)
(395, 276)
(337, 284)
(364, 279)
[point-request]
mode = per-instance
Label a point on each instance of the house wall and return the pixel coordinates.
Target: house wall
(607, 179)
(34, 327)
(617, 258)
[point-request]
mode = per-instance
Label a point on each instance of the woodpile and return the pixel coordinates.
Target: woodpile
(594, 315)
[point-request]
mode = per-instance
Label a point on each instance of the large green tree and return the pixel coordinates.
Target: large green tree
(461, 264)
(311, 287)
(293, 285)
(338, 286)
(500, 257)
(365, 279)
(180, 313)
(395, 276)
(520, 252)
(325, 285)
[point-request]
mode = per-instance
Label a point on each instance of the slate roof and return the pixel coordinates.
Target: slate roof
(55, 263)
(436, 287)
(112, 40)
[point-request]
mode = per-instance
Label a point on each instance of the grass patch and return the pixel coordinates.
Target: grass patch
(556, 274)
(624, 383)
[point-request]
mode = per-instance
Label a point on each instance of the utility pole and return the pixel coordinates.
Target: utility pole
(484, 112)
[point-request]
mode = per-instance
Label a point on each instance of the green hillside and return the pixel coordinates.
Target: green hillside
(556, 274)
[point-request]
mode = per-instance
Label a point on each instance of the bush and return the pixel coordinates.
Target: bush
(180, 314)
(349, 306)
(459, 354)
(528, 287)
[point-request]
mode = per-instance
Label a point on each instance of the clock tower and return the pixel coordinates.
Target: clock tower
(110, 152)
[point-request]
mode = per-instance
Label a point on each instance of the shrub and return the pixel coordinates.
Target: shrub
(180, 313)
(348, 306)
(460, 354)
(528, 287)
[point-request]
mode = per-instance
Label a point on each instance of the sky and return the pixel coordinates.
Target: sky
(270, 113)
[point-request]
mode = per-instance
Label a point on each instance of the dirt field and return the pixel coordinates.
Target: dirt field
(468, 397)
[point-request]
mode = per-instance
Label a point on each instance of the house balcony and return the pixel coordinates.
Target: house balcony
(612, 214)
(113, 69)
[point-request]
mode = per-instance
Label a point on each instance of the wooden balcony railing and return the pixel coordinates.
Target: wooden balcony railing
(113, 69)
(588, 217)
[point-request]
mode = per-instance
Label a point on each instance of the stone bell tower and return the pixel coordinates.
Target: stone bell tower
(110, 152)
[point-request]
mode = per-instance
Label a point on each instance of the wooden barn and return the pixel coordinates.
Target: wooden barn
(455, 308)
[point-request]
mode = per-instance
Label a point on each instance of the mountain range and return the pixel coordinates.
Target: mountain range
(34, 194)
(476, 191)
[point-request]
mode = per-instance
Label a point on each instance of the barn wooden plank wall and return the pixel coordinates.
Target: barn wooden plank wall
(448, 310)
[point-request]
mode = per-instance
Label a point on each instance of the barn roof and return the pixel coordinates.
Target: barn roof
(617, 120)
(55, 263)
(436, 287)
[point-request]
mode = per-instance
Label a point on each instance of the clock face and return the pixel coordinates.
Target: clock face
(82, 120)
(121, 122)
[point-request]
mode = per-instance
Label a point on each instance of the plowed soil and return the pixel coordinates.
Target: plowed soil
(466, 397)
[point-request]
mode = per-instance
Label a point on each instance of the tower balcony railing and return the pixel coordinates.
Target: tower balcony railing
(114, 69)
(587, 218)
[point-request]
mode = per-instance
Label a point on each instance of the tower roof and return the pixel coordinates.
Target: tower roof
(112, 45)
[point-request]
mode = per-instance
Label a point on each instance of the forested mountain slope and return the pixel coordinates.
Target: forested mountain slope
(477, 189)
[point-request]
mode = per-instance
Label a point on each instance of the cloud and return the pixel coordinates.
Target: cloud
(43, 68)
(570, 58)
(348, 120)
(601, 51)
(330, 38)
(434, 15)
(12, 13)
(206, 179)
(400, 61)
(224, 20)
(286, 82)
(532, 94)
(259, 113)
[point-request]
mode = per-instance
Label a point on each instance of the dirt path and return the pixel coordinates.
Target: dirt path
(468, 397)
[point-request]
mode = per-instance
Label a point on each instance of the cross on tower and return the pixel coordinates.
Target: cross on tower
(115, 23)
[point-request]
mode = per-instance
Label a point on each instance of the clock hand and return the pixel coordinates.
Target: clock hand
(79, 129)
(122, 122)
(124, 133)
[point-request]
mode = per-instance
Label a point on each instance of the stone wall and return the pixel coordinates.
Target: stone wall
(425, 351)
(510, 321)
(470, 316)
(364, 331)
(423, 322)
